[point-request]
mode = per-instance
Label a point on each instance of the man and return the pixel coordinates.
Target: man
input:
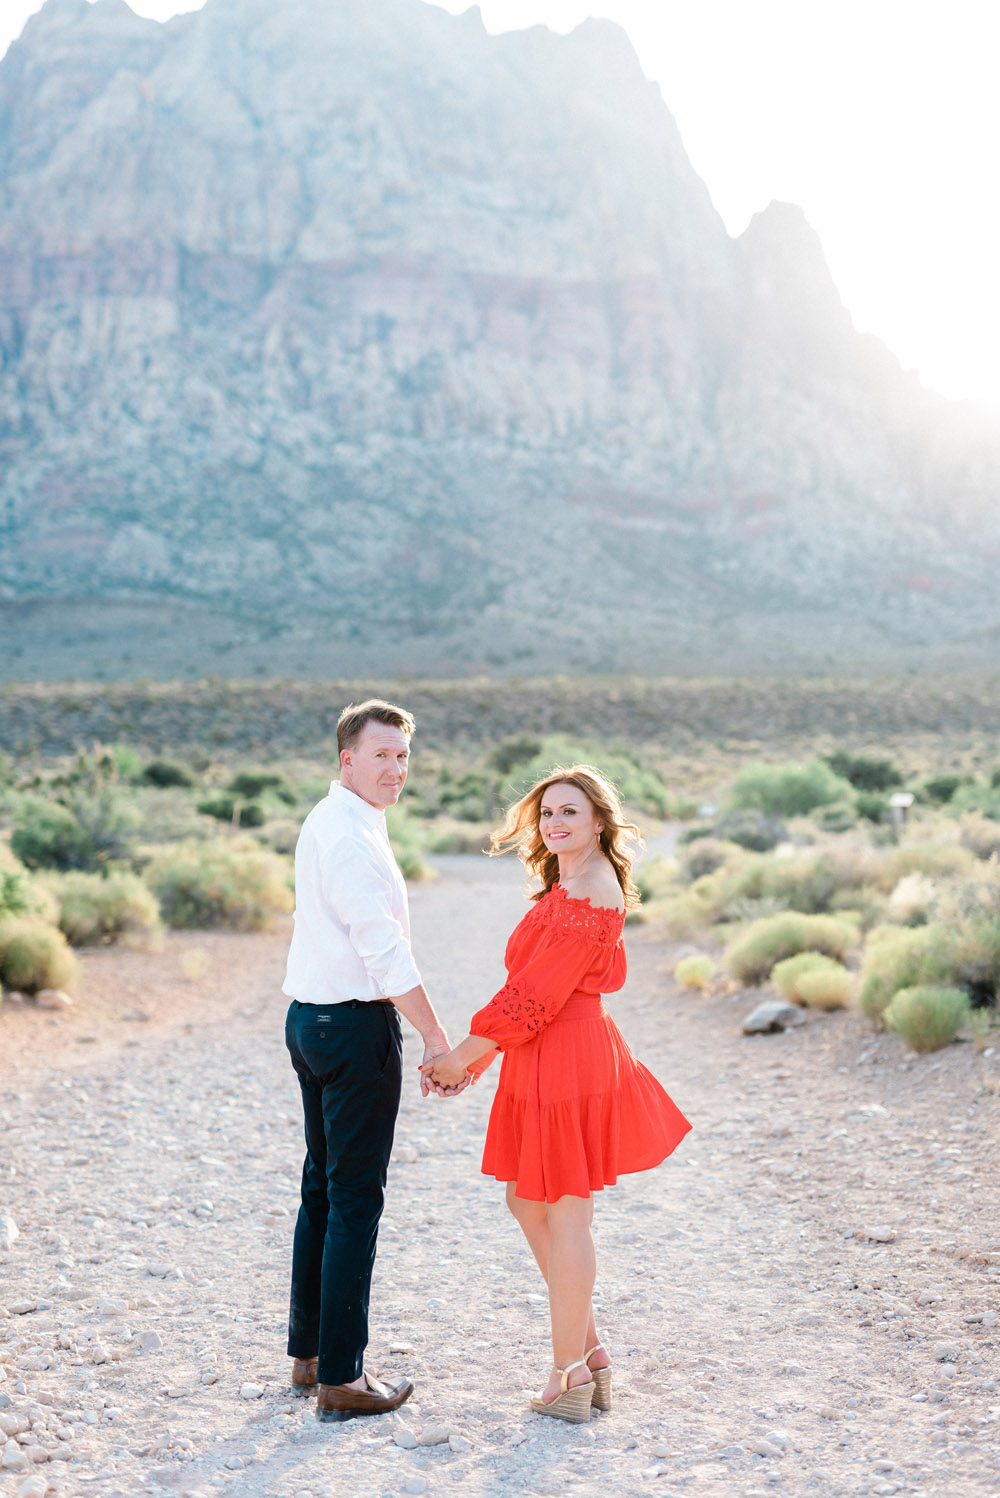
(350, 975)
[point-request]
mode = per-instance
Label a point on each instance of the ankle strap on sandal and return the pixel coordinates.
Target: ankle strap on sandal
(564, 1373)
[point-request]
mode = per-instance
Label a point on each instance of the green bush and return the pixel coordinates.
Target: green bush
(407, 839)
(520, 749)
(972, 951)
(637, 785)
(927, 1016)
(20, 894)
(939, 789)
(165, 774)
(227, 809)
(704, 857)
(872, 806)
(980, 834)
(96, 910)
(788, 790)
(749, 829)
(34, 955)
(900, 957)
(864, 772)
(48, 836)
(753, 954)
(977, 796)
(826, 988)
(785, 975)
(233, 883)
(249, 785)
(696, 971)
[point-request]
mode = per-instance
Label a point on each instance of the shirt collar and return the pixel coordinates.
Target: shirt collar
(356, 806)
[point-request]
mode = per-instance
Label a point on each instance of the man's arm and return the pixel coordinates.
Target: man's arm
(415, 1006)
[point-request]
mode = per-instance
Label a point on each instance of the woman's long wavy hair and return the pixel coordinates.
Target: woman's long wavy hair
(521, 830)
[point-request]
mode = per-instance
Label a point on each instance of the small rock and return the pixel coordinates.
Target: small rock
(773, 1014)
(9, 1231)
(252, 1391)
(159, 1271)
(235, 1463)
(434, 1435)
(53, 998)
(876, 1234)
(404, 1437)
(656, 1471)
(35, 1486)
(150, 1341)
(13, 1424)
(762, 1447)
(661, 1448)
(414, 1484)
(178, 1391)
(927, 1298)
(401, 1347)
(793, 1370)
(99, 1354)
(208, 1376)
(946, 1352)
(405, 1154)
(728, 1453)
(22, 1307)
(827, 1412)
(13, 1458)
(459, 1443)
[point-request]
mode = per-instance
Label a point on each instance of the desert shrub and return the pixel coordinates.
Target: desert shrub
(938, 860)
(787, 790)
(899, 957)
(838, 817)
(971, 950)
(785, 975)
(939, 789)
(927, 1016)
(468, 797)
(48, 836)
(282, 834)
(704, 857)
(980, 834)
(407, 839)
(977, 796)
(696, 971)
(752, 955)
(34, 955)
(519, 749)
(226, 808)
(913, 901)
(749, 828)
(231, 883)
(165, 774)
(872, 806)
(446, 836)
(249, 785)
(20, 894)
(96, 910)
(826, 987)
(863, 771)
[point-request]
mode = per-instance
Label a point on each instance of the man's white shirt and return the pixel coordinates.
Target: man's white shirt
(352, 922)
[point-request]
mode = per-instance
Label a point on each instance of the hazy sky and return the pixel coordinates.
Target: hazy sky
(881, 118)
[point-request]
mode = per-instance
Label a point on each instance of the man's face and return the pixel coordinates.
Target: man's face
(375, 766)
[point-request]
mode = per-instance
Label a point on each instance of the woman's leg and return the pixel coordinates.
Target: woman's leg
(572, 1268)
(533, 1220)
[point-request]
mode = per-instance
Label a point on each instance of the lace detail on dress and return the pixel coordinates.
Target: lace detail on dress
(518, 1003)
(599, 924)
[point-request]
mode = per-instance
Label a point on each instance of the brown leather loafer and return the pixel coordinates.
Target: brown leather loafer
(337, 1402)
(304, 1376)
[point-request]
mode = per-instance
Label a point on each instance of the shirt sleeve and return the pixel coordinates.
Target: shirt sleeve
(360, 894)
(535, 991)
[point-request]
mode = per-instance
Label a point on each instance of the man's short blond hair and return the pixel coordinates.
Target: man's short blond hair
(351, 723)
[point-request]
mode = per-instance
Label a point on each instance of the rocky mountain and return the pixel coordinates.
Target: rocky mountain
(339, 335)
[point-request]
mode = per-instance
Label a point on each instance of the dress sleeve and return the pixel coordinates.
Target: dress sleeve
(535, 991)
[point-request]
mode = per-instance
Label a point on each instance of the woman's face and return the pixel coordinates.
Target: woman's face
(567, 820)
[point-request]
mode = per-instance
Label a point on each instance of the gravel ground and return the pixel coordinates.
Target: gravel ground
(803, 1300)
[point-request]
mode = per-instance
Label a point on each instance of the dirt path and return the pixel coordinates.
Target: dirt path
(150, 1152)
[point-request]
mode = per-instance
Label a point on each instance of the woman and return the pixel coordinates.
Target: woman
(573, 1108)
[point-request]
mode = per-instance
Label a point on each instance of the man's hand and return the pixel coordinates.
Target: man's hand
(434, 1045)
(446, 1075)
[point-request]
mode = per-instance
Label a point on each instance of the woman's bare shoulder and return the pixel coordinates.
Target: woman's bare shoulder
(600, 886)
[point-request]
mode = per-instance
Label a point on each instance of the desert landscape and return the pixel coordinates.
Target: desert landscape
(804, 1299)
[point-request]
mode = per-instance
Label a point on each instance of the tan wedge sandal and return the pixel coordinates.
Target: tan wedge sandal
(602, 1379)
(569, 1404)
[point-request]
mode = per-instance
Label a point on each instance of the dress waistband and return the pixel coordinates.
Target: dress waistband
(582, 1005)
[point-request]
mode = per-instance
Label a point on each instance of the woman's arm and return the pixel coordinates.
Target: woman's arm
(450, 1070)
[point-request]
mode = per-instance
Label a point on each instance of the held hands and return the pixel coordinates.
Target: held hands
(436, 1054)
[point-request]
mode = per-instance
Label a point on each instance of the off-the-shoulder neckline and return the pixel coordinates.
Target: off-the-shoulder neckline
(585, 900)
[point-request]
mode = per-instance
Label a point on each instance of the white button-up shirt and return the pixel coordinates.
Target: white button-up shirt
(352, 923)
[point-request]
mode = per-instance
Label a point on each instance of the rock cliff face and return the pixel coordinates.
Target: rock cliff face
(419, 347)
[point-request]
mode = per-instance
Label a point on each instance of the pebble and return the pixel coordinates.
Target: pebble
(53, 998)
(178, 1391)
(252, 1391)
(22, 1307)
(414, 1484)
(434, 1435)
(401, 1347)
(13, 1424)
(773, 1014)
(459, 1443)
(150, 1341)
(761, 1447)
(9, 1230)
(657, 1471)
(13, 1458)
(404, 1437)
(876, 1234)
(946, 1352)
(35, 1486)
(793, 1370)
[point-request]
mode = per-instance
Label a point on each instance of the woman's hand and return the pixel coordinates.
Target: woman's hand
(446, 1072)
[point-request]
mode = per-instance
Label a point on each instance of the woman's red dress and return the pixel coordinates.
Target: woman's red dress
(573, 1109)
